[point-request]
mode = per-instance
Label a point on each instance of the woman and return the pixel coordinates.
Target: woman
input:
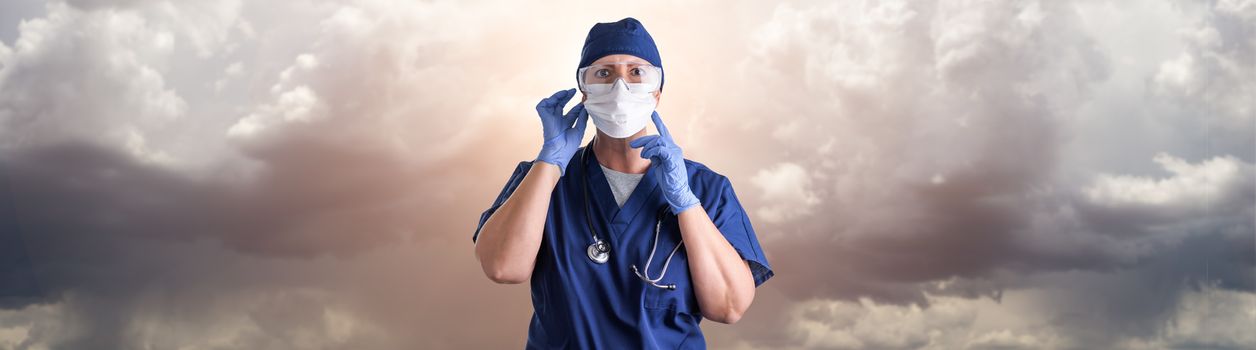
(631, 245)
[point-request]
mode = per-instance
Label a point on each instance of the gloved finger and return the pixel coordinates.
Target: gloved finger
(642, 141)
(656, 147)
(549, 101)
(563, 99)
(573, 113)
(652, 152)
(658, 124)
(665, 151)
(582, 119)
(558, 99)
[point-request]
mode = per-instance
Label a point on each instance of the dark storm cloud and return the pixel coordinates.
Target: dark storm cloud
(73, 189)
(932, 144)
(101, 135)
(135, 230)
(952, 109)
(109, 238)
(18, 277)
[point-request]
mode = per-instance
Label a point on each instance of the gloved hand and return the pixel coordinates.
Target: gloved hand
(561, 138)
(662, 152)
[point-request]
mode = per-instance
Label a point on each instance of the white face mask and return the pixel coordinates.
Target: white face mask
(620, 113)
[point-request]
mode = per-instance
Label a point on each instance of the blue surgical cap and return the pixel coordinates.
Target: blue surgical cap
(626, 36)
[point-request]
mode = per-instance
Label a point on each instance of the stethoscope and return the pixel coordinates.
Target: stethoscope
(600, 251)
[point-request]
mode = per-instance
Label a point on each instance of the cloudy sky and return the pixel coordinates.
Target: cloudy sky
(224, 174)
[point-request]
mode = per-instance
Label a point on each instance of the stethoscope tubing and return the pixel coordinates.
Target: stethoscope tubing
(599, 251)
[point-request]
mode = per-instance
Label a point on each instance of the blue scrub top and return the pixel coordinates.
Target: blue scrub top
(581, 304)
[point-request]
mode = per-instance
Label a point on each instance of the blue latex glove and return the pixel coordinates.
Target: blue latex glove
(561, 138)
(663, 152)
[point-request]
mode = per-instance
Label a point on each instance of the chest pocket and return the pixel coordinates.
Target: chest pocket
(682, 299)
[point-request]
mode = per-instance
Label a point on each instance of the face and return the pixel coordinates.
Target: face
(620, 58)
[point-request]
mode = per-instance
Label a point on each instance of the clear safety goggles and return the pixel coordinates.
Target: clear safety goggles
(598, 79)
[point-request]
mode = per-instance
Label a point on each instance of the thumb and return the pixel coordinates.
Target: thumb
(582, 120)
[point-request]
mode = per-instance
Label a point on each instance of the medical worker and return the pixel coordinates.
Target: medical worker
(627, 244)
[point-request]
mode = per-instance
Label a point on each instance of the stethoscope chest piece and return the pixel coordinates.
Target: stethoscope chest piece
(599, 252)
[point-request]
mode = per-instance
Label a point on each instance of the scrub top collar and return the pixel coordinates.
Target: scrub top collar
(644, 196)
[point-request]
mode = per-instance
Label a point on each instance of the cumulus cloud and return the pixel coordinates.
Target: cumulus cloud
(1209, 181)
(303, 174)
(111, 76)
(935, 123)
(787, 187)
(129, 194)
(962, 323)
(867, 324)
(938, 129)
(1213, 72)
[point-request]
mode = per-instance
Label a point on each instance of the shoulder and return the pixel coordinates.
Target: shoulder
(702, 171)
(704, 179)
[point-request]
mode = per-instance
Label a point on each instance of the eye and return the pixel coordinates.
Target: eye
(638, 71)
(602, 73)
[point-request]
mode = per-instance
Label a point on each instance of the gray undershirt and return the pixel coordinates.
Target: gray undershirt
(622, 184)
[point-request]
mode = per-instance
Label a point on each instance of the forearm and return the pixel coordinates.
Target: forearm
(722, 280)
(510, 238)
